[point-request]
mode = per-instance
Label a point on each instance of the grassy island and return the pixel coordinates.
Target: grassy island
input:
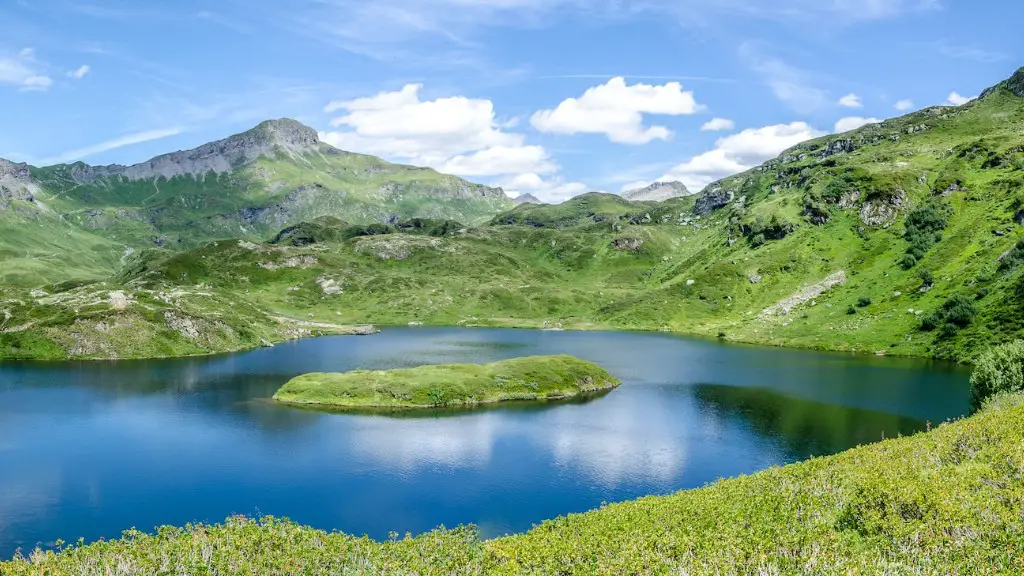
(536, 378)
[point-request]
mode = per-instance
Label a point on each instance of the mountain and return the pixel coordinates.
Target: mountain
(249, 185)
(657, 192)
(526, 199)
(904, 237)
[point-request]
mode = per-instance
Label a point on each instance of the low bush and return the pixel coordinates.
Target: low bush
(998, 370)
(954, 315)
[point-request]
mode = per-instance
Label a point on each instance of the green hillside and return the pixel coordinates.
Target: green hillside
(901, 238)
(250, 185)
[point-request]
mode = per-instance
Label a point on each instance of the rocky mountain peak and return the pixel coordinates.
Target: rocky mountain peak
(283, 136)
(284, 132)
(15, 182)
(13, 171)
(526, 199)
(657, 192)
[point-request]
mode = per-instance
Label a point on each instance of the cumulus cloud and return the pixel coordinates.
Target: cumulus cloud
(617, 110)
(79, 72)
(904, 105)
(739, 152)
(23, 71)
(851, 101)
(955, 99)
(455, 135)
(718, 125)
(853, 122)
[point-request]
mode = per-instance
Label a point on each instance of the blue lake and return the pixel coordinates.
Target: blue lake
(90, 449)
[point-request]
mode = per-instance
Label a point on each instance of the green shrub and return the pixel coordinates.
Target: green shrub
(864, 302)
(924, 228)
(927, 277)
(851, 310)
(955, 314)
(1013, 259)
(908, 261)
(998, 370)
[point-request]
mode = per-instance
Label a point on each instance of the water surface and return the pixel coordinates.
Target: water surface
(90, 449)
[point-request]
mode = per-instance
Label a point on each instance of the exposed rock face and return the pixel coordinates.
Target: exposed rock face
(842, 146)
(657, 192)
(804, 295)
(712, 198)
(269, 138)
(526, 199)
(628, 244)
(16, 182)
(883, 212)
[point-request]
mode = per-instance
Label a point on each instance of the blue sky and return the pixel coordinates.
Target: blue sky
(553, 97)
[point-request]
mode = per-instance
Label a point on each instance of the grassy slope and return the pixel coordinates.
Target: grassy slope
(185, 211)
(534, 378)
(945, 502)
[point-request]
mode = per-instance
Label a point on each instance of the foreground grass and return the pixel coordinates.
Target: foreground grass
(533, 378)
(950, 501)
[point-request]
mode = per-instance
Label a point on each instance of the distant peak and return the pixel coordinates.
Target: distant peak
(284, 131)
(1014, 84)
(658, 191)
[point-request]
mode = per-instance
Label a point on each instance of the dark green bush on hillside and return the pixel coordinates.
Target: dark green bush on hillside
(955, 314)
(927, 278)
(1013, 259)
(864, 302)
(924, 228)
(998, 370)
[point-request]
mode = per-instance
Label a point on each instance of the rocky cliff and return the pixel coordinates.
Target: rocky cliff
(657, 192)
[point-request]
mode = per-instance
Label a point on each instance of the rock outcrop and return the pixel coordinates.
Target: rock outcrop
(16, 182)
(712, 198)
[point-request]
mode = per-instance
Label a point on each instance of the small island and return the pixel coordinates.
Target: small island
(537, 378)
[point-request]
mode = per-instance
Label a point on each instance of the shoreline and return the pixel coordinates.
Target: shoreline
(370, 329)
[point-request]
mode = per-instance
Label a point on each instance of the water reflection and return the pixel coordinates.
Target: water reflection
(806, 427)
(89, 449)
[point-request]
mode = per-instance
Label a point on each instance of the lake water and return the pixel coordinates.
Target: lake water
(90, 449)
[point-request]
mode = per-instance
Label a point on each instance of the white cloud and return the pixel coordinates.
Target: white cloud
(739, 152)
(23, 71)
(119, 142)
(851, 101)
(853, 122)
(455, 135)
(457, 130)
(616, 110)
(955, 99)
(788, 83)
(79, 72)
(904, 105)
(37, 83)
(717, 125)
(552, 191)
(501, 160)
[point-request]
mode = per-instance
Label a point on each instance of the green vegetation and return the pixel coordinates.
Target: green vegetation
(944, 502)
(538, 378)
(917, 214)
(998, 371)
